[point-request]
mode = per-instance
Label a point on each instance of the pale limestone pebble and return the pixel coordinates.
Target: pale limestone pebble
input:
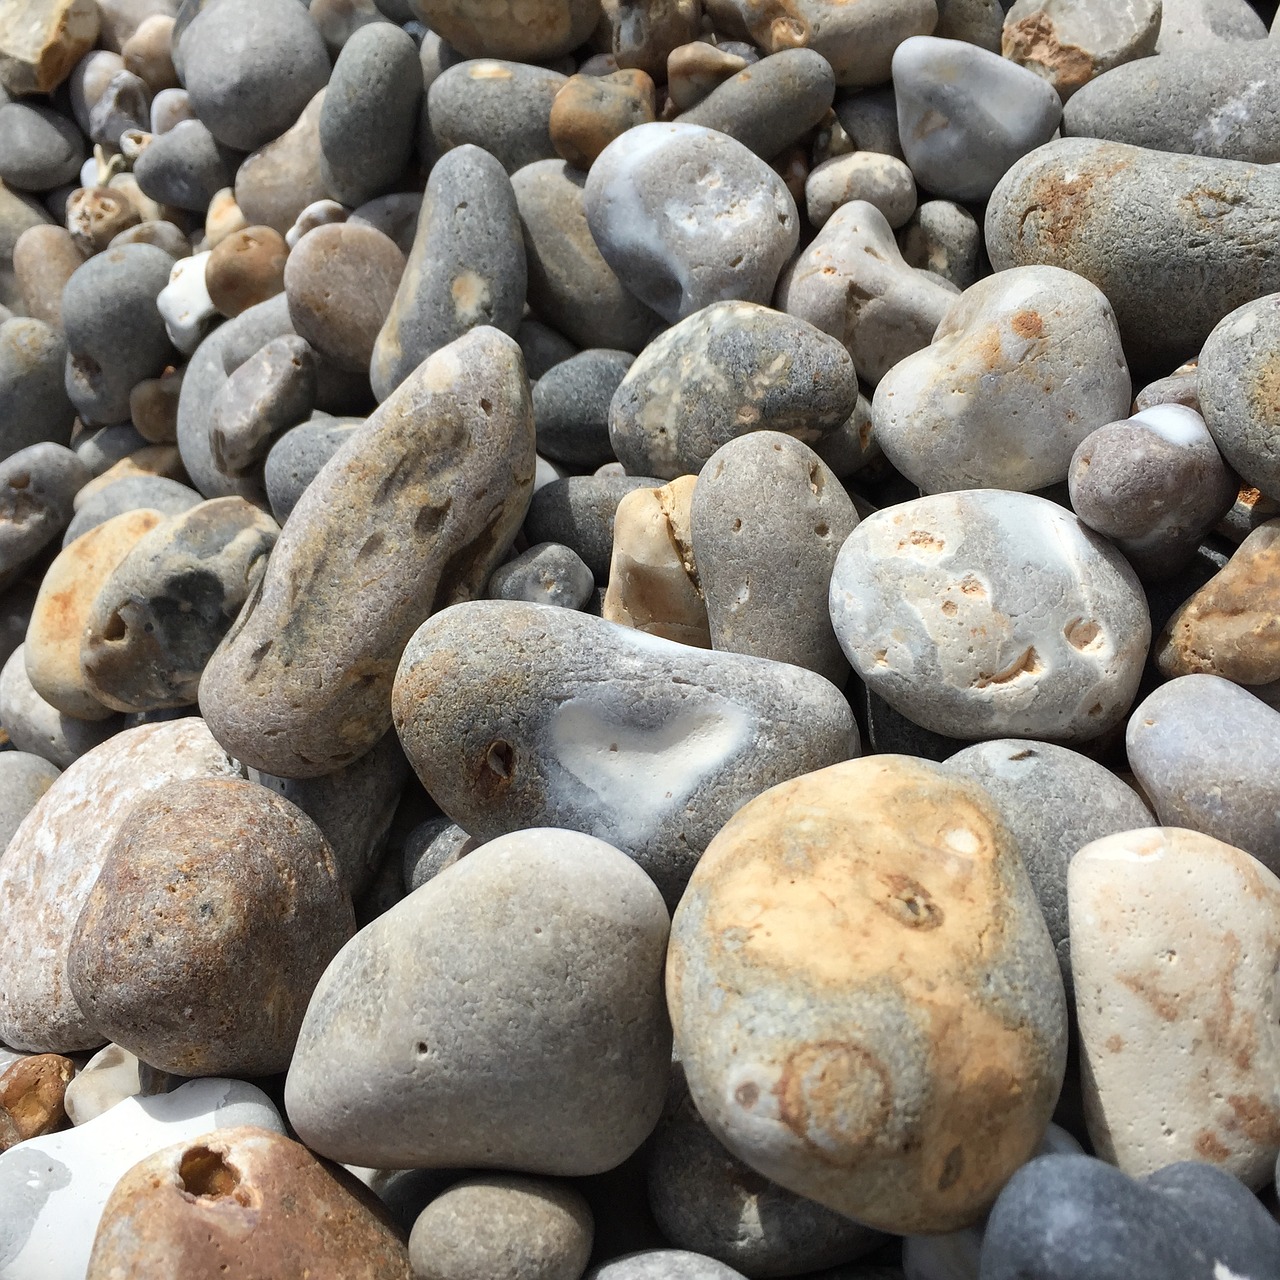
(34, 726)
(644, 33)
(944, 238)
(278, 181)
(546, 573)
(886, 1065)
(1154, 484)
(726, 370)
(977, 22)
(37, 486)
(588, 112)
(55, 1188)
(1197, 24)
(986, 614)
(676, 240)
(965, 115)
(638, 740)
(880, 180)
(696, 68)
(424, 500)
(1022, 367)
(147, 53)
(222, 217)
(653, 577)
(852, 283)
(185, 305)
(1207, 753)
(535, 32)
(1175, 943)
(471, 965)
(48, 869)
(663, 1264)
(767, 522)
(1175, 242)
(42, 40)
(109, 1077)
(169, 108)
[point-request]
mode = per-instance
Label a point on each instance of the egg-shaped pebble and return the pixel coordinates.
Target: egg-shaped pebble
(34, 407)
(281, 178)
(571, 406)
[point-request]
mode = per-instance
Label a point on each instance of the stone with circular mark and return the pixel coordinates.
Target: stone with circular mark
(544, 948)
(1022, 367)
(414, 512)
(643, 742)
(905, 1034)
(245, 268)
(987, 614)
(1175, 941)
(528, 32)
(687, 216)
(589, 112)
(37, 486)
(34, 407)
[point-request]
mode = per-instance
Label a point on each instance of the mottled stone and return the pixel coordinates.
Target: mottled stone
(885, 1065)
(640, 741)
(571, 406)
(473, 964)
(589, 112)
(880, 180)
(547, 573)
(280, 179)
(31, 1094)
(33, 405)
(529, 32)
(24, 778)
(42, 40)
(95, 216)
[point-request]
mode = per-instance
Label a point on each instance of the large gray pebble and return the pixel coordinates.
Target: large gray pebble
(37, 486)
(542, 951)
(578, 511)
(571, 407)
(185, 167)
(296, 458)
(370, 113)
(131, 493)
(34, 405)
(250, 67)
(986, 614)
(39, 148)
(24, 778)
(687, 216)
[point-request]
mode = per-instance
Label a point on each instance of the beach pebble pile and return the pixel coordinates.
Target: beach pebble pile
(639, 639)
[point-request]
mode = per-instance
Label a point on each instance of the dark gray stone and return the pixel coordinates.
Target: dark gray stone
(578, 512)
(37, 486)
(39, 148)
(296, 458)
(123, 105)
(433, 847)
(543, 348)
(185, 167)
(34, 405)
(571, 407)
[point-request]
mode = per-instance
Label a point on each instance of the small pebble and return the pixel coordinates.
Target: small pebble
(944, 238)
(571, 406)
(880, 180)
(184, 303)
(132, 493)
(31, 1098)
(545, 574)
(579, 512)
(185, 167)
(109, 1077)
(44, 259)
(96, 215)
(297, 457)
(37, 486)
(589, 112)
(245, 268)
(39, 149)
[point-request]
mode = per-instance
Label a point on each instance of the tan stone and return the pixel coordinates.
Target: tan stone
(522, 30)
(223, 217)
(1175, 942)
(246, 267)
(248, 1200)
(96, 215)
(42, 40)
(152, 460)
(31, 1097)
(43, 261)
(62, 606)
(589, 112)
(147, 53)
(694, 69)
(653, 580)
(275, 183)
(153, 406)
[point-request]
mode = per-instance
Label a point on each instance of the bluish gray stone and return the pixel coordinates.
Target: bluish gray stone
(34, 405)
(571, 406)
(543, 347)
(185, 167)
(39, 148)
(24, 778)
(101, 450)
(547, 573)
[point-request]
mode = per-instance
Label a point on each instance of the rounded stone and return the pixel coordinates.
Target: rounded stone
(578, 512)
(502, 1228)
(34, 407)
(987, 614)
(589, 112)
(545, 947)
(545, 574)
(163, 235)
(696, 68)
(44, 259)
(185, 167)
(24, 778)
(944, 238)
(31, 1097)
(134, 493)
(280, 179)
(147, 53)
(571, 406)
(882, 181)
(95, 216)
(37, 486)
(1197, 24)
(886, 1064)
(858, 40)
(527, 32)
(663, 1264)
(39, 149)
(297, 457)
(251, 66)
(245, 268)
(109, 1077)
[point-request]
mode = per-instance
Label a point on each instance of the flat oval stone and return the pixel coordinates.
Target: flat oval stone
(534, 32)
(233, 950)
(50, 866)
(425, 500)
(473, 964)
(731, 368)
(160, 614)
(880, 180)
(280, 179)
(24, 778)
(991, 614)
(37, 486)
(33, 405)
(1022, 367)
(1175, 935)
(886, 1064)
(1173, 241)
(466, 268)
(679, 240)
(44, 258)
(1207, 752)
(249, 1195)
(652, 752)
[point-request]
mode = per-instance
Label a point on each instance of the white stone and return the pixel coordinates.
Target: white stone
(185, 304)
(108, 1078)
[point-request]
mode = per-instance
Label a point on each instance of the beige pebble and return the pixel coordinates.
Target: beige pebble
(223, 217)
(245, 268)
(44, 259)
(147, 54)
(42, 40)
(153, 407)
(96, 215)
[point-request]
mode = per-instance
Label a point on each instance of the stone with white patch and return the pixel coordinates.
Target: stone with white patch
(185, 305)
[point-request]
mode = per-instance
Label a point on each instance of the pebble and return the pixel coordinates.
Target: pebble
(133, 493)
(1171, 240)
(432, 848)
(44, 259)
(500, 1226)
(571, 406)
(34, 408)
(466, 268)
(159, 615)
(986, 613)
(546, 573)
(122, 19)
(663, 1264)
(147, 462)
(740, 233)
(185, 167)
(244, 269)
(851, 1077)
(589, 112)
(147, 53)
(579, 512)
(1022, 367)
(880, 180)
(222, 217)
(645, 35)
(341, 281)
(852, 283)
(728, 369)
(1175, 941)
(280, 179)
(1206, 752)
(428, 515)
(1154, 484)
(943, 237)
(95, 216)
(124, 105)
(24, 778)
(370, 113)
(184, 303)
(395, 215)
(695, 69)
(339, 20)
(109, 1077)
(168, 108)
(39, 149)
(1196, 24)
(37, 485)
(42, 40)
(472, 964)
(163, 235)
(531, 32)
(31, 1098)
(696, 733)
(56, 1187)
(297, 457)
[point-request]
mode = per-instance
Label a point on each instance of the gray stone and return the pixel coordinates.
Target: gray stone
(986, 614)
(547, 573)
(870, 119)
(24, 778)
(965, 115)
(604, 729)
(545, 29)
(1196, 24)
(663, 1264)
(115, 334)
(571, 286)
(37, 486)
(571, 406)
(1207, 753)
(17, 213)
(944, 238)
(545, 950)
(251, 66)
(339, 20)
(155, 231)
(432, 848)
(578, 512)
(466, 267)
(976, 21)
(729, 369)
(39, 148)
(279, 180)
(1054, 801)
(370, 113)
(185, 167)
(88, 81)
(678, 242)
(297, 457)
(123, 105)
(503, 107)
(395, 215)
(101, 450)
(16, 605)
(132, 493)
(1175, 242)
(34, 407)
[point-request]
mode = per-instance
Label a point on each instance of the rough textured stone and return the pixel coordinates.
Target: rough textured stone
(31, 1097)
(944, 238)
(504, 29)
(1197, 24)
(663, 1264)
(547, 573)
(880, 180)
(37, 486)
(42, 40)
(588, 112)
